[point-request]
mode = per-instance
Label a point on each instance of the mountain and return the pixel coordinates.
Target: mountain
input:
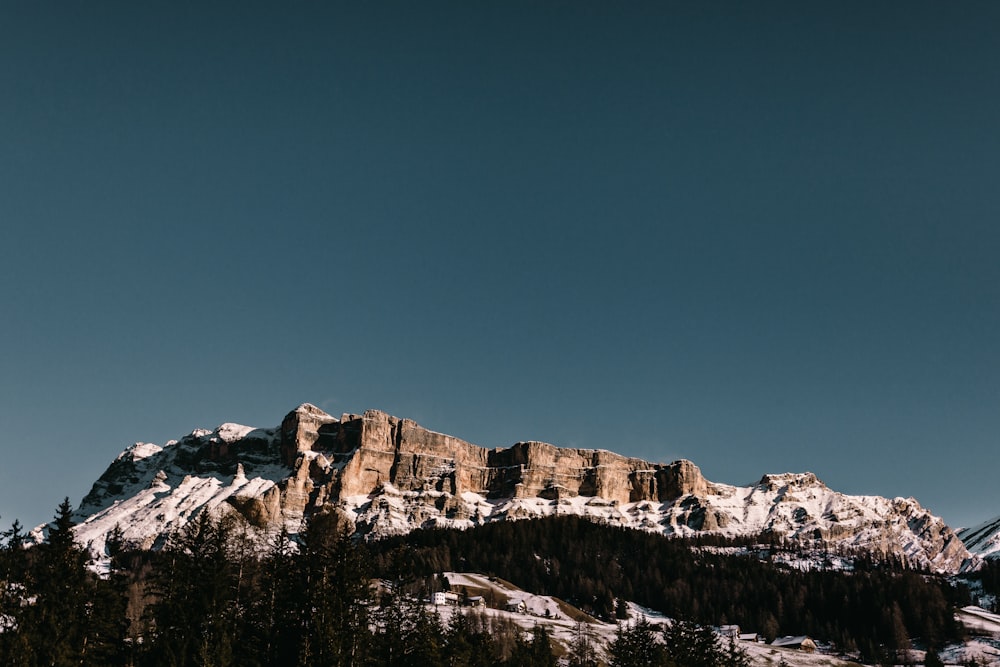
(983, 540)
(390, 476)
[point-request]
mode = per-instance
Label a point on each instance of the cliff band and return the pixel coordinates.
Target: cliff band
(389, 476)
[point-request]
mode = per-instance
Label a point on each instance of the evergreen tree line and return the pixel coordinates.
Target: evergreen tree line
(877, 609)
(679, 644)
(211, 598)
(989, 577)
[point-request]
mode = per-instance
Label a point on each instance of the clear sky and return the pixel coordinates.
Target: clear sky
(760, 236)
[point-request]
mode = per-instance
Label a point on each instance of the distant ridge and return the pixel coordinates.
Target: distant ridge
(388, 475)
(984, 539)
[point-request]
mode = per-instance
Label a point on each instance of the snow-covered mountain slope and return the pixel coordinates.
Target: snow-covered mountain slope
(150, 492)
(390, 476)
(565, 623)
(984, 539)
(983, 645)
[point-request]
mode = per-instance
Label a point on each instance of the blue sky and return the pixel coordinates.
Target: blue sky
(762, 238)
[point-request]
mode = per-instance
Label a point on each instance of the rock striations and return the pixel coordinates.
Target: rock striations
(984, 539)
(389, 476)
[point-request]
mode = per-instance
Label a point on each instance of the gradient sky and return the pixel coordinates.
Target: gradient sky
(761, 236)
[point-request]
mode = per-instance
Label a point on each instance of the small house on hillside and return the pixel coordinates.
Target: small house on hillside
(516, 606)
(476, 601)
(750, 637)
(729, 631)
(802, 643)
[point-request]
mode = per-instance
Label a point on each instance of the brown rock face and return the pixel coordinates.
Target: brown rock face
(259, 511)
(376, 449)
(305, 428)
(390, 475)
(682, 478)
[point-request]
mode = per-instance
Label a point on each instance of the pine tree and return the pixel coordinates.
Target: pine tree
(275, 604)
(56, 625)
(14, 650)
(734, 656)
(582, 652)
(691, 645)
(392, 626)
(541, 648)
(504, 637)
(55, 610)
(636, 646)
(932, 659)
(458, 650)
(423, 645)
(334, 592)
(471, 642)
(193, 618)
(899, 637)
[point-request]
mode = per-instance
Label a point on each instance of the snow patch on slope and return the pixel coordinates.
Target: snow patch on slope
(138, 451)
(150, 492)
(561, 621)
(796, 506)
(163, 508)
(984, 539)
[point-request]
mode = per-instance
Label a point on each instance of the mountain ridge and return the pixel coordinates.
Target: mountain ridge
(388, 475)
(982, 539)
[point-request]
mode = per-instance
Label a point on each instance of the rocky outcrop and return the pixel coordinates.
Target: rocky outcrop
(377, 449)
(359, 454)
(390, 475)
(306, 429)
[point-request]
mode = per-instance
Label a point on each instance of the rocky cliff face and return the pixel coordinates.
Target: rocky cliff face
(984, 539)
(390, 475)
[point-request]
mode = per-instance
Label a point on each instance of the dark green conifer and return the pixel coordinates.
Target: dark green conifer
(334, 593)
(57, 623)
(636, 646)
(691, 645)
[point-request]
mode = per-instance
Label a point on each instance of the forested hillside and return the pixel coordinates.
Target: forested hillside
(879, 607)
(211, 597)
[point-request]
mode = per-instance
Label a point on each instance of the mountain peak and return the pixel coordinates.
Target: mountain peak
(790, 480)
(310, 409)
(389, 475)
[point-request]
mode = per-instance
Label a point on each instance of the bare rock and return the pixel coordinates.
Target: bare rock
(387, 475)
(302, 429)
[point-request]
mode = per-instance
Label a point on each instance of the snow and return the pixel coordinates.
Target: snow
(535, 605)
(563, 626)
(797, 506)
(153, 495)
(979, 621)
(164, 507)
(984, 652)
(984, 539)
(983, 646)
(139, 450)
(789, 641)
(767, 655)
(232, 432)
(151, 491)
